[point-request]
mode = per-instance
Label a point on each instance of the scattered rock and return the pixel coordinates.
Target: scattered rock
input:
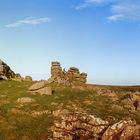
(25, 100)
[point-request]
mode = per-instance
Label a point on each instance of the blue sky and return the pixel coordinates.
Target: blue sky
(100, 37)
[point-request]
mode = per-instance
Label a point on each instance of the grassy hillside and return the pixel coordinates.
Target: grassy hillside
(30, 121)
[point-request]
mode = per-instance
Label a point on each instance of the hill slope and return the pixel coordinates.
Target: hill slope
(27, 117)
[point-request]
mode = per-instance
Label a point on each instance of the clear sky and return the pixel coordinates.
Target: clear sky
(100, 37)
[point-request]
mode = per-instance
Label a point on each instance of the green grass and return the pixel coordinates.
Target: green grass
(18, 123)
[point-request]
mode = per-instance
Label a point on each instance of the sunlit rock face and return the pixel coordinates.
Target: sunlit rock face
(5, 71)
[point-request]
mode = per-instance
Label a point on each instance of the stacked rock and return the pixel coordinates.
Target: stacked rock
(83, 77)
(73, 76)
(56, 70)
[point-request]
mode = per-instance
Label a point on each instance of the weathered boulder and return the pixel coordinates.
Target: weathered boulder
(5, 71)
(56, 70)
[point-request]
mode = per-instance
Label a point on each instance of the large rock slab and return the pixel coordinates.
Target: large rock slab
(38, 85)
(40, 88)
(43, 91)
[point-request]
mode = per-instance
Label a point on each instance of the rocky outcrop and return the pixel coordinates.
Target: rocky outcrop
(56, 70)
(5, 71)
(81, 126)
(71, 77)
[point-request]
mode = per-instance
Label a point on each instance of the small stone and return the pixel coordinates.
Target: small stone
(25, 100)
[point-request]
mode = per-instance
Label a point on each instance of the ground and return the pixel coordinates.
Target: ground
(31, 120)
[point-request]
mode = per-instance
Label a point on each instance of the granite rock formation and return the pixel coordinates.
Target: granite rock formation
(81, 126)
(5, 71)
(72, 77)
